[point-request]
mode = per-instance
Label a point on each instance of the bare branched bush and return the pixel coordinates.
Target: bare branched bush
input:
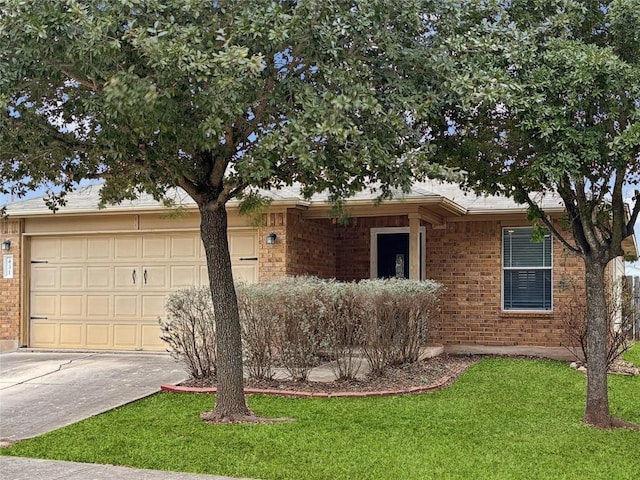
(259, 327)
(189, 331)
(620, 315)
(398, 323)
(300, 336)
(342, 327)
(299, 321)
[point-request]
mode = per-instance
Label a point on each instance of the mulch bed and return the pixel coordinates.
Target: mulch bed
(426, 375)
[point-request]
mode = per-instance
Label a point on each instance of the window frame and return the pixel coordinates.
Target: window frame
(504, 268)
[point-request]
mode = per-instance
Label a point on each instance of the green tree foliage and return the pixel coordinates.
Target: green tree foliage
(544, 96)
(217, 98)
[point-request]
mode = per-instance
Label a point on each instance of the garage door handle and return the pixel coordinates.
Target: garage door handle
(39, 318)
(144, 275)
(248, 258)
(133, 276)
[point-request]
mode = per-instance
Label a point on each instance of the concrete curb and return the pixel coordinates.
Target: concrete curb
(437, 385)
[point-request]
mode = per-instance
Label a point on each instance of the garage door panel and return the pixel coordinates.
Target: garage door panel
(125, 306)
(183, 276)
(71, 306)
(71, 335)
(185, 246)
(43, 305)
(94, 294)
(151, 338)
(126, 248)
(245, 273)
(153, 306)
(154, 247)
(71, 277)
(99, 249)
(72, 249)
(155, 276)
(99, 336)
(243, 245)
(125, 337)
(204, 276)
(126, 277)
(44, 249)
(44, 277)
(99, 277)
(44, 334)
(99, 306)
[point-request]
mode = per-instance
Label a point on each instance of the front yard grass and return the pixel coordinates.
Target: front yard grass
(502, 419)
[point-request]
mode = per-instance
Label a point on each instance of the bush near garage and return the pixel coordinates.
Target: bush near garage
(189, 331)
(298, 322)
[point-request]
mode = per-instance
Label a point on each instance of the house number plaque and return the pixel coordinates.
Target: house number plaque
(7, 266)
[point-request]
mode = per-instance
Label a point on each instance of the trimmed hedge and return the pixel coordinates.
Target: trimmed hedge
(298, 322)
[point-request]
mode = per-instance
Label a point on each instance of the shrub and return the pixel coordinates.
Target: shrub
(259, 326)
(341, 325)
(300, 310)
(190, 331)
(397, 325)
(620, 316)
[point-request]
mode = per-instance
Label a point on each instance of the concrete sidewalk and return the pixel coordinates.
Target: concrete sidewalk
(15, 468)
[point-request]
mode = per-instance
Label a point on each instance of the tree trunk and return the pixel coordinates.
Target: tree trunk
(597, 409)
(230, 402)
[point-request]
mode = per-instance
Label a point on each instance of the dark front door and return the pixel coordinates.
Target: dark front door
(393, 255)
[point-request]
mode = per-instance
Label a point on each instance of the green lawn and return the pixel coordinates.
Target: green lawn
(504, 418)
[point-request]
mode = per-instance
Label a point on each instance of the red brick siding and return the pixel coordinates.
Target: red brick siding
(10, 303)
(311, 246)
(353, 245)
(466, 258)
(272, 258)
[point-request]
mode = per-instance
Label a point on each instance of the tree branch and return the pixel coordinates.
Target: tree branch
(88, 84)
(547, 221)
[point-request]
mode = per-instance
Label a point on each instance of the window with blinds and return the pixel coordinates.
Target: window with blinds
(526, 270)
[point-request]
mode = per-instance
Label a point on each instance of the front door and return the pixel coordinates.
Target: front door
(393, 255)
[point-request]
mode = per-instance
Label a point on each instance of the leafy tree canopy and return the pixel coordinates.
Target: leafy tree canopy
(211, 96)
(545, 96)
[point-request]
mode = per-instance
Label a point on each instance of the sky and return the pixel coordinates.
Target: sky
(632, 269)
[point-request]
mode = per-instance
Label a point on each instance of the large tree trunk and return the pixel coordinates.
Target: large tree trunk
(230, 403)
(597, 409)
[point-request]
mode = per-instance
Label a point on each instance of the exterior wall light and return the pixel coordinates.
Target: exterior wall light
(6, 245)
(271, 238)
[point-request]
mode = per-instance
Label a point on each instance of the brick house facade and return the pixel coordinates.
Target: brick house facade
(448, 236)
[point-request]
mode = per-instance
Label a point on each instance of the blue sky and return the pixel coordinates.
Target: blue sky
(632, 269)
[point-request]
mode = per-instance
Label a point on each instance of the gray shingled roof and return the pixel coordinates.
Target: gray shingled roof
(86, 199)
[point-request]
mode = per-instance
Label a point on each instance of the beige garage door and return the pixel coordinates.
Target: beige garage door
(107, 292)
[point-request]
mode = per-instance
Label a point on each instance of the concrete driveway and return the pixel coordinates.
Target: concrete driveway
(41, 391)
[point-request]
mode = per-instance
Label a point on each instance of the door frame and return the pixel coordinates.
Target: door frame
(373, 250)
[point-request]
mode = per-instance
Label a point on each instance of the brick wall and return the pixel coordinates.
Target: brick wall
(466, 258)
(272, 258)
(311, 247)
(10, 303)
(353, 245)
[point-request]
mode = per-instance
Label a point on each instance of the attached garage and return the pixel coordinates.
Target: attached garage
(108, 291)
(98, 279)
